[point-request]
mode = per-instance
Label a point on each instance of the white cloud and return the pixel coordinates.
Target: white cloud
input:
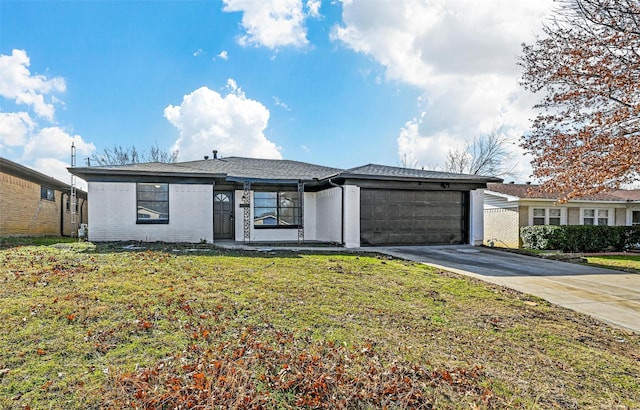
(14, 128)
(232, 124)
(54, 168)
(54, 142)
(460, 53)
(198, 52)
(314, 8)
(280, 103)
(22, 138)
(58, 169)
(17, 83)
(223, 55)
(273, 23)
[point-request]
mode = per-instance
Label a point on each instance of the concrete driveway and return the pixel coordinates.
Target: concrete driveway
(608, 295)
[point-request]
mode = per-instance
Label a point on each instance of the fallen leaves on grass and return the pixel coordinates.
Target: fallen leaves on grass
(267, 368)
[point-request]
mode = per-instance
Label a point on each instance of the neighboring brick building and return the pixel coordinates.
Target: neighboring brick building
(33, 204)
(509, 207)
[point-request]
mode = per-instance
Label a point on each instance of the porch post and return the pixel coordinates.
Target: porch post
(246, 202)
(301, 210)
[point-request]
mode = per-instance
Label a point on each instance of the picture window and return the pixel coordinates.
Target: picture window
(152, 203)
(276, 209)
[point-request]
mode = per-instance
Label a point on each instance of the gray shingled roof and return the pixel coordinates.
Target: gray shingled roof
(254, 168)
(397, 172)
(273, 169)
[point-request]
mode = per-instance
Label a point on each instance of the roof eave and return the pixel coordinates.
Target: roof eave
(84, 172)
(28, 173)
(509, 198)
(478, 180)
(273, 181)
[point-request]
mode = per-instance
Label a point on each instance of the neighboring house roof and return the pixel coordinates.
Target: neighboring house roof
(627, 194)
(23, 172)
(242, 169)
(526, 191)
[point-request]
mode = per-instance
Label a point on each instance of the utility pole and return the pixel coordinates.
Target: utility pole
(73, 197)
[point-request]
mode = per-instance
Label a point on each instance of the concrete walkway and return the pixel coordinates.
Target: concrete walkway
(608, 295)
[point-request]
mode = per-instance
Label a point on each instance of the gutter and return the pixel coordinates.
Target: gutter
(341, 210)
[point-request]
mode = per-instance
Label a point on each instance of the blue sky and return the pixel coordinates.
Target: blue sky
(337, 83)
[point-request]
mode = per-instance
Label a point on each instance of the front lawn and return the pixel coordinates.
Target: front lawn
(629, 263)
(84, 327)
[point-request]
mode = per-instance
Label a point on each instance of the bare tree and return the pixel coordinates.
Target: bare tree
(586, 137)
(408, 161)
(119, 155)
(487, 155)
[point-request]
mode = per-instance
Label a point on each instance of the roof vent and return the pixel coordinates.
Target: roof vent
(215, 154)
(206, 157)
(512, 182)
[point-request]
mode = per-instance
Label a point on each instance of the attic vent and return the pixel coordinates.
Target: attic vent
(215, 154)
(206, 157)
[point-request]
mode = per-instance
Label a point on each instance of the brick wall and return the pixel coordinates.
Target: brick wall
(22, 212)
(501, 227)
(82, 216)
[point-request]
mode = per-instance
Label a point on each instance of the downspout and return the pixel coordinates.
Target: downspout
(213, 204)
(62, 213)
(80, 210)
(341, 210)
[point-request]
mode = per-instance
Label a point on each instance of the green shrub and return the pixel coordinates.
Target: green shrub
(580, 238)
(540, 237)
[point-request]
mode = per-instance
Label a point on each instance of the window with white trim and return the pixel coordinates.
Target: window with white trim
(546, 216)
(595, 216)
(635, 218)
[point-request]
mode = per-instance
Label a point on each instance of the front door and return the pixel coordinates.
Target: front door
(222, 215)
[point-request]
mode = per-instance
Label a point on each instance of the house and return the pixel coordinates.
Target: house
(508, 207)
(263, 200)
(34, 204)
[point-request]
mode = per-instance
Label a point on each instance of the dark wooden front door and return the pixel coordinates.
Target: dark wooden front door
(222, 215)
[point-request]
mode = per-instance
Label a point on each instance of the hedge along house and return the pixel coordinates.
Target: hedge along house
(261, 200)
(508, 207)
(34, 204)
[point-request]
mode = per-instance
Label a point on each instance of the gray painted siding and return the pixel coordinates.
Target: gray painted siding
(497, 202)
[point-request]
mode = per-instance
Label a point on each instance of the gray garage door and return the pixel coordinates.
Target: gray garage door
(401, 217)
